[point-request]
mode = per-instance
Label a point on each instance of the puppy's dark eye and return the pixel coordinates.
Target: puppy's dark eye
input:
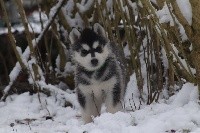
(84, 52)
(99, 49)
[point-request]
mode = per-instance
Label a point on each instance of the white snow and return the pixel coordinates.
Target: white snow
(127, 51)
(183, 61)
(69, 7)
(164, 15)
(25, 114)
(186, 9)
(34, 24)
(84, 5)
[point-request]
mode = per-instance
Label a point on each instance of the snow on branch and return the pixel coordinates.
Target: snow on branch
(25, 56)
(61, 94)
(53, 14)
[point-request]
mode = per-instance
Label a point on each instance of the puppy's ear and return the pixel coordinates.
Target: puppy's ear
(99, 30)
(74, 35)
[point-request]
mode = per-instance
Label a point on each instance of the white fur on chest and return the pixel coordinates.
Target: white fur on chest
(96, 87)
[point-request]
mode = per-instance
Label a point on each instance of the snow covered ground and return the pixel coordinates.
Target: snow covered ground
(26, 114)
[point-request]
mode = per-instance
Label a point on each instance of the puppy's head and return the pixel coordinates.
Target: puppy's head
(90, 47)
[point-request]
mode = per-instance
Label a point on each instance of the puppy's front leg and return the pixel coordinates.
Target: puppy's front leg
(89, 106)
(113, 99)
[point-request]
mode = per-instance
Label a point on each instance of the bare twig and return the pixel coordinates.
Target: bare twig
(33, 43)
(10, 35)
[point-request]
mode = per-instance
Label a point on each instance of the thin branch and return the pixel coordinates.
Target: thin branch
(57, 9)
(10, 35)
(27, 52)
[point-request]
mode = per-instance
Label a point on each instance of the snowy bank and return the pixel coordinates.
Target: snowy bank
(25, 114)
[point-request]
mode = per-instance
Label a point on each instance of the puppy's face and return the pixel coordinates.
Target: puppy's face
(90, 47)
(91, 56)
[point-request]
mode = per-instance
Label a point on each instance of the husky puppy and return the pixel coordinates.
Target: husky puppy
(99, 76)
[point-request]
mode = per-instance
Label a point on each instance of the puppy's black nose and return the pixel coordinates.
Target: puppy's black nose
(94, 62)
